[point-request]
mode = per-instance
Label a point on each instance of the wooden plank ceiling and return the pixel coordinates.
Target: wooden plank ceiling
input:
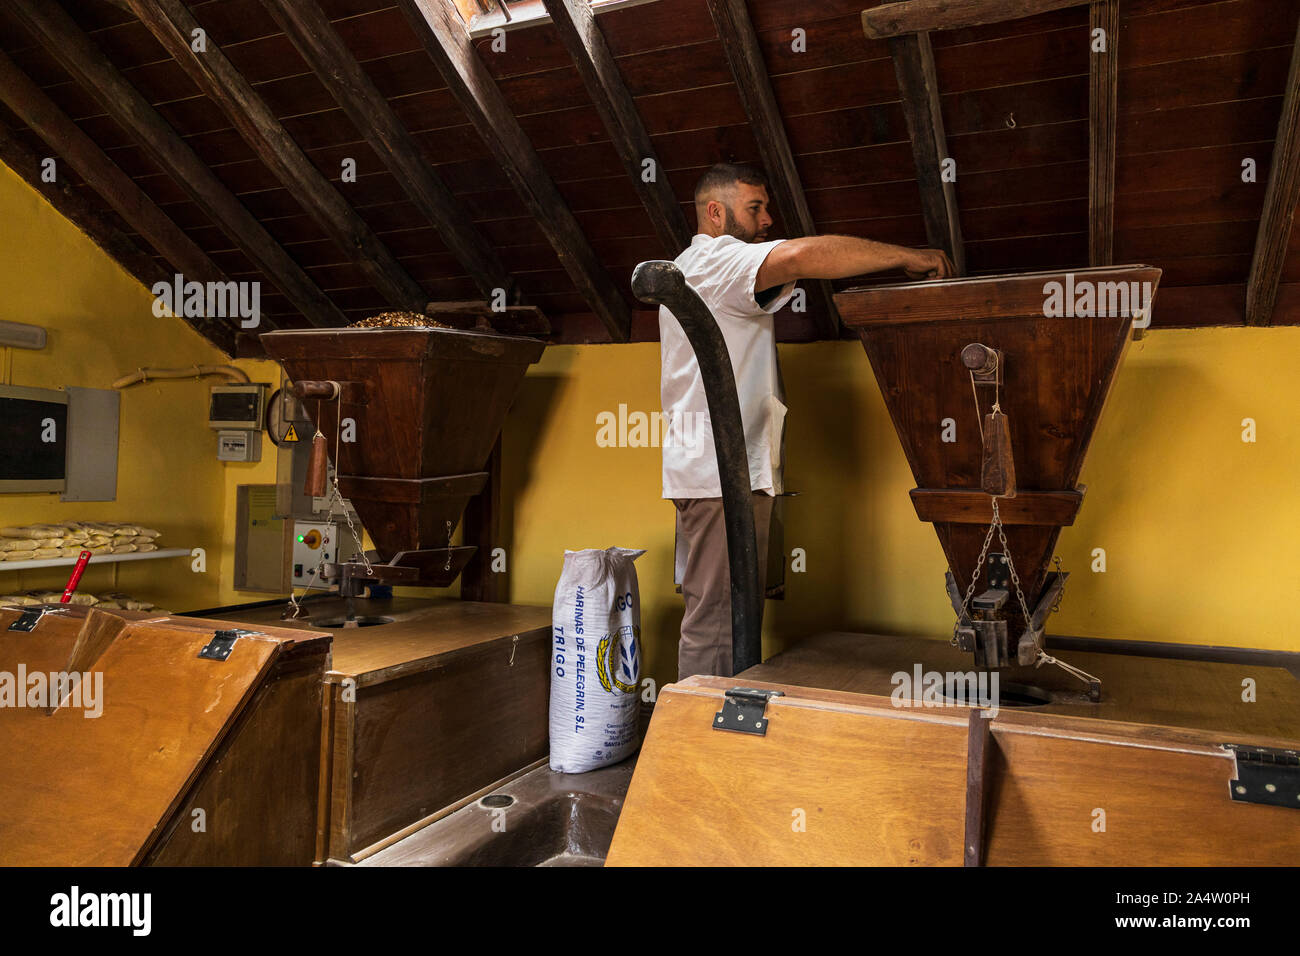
(1200, 88)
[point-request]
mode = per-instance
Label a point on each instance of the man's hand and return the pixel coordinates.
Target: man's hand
(928, 264)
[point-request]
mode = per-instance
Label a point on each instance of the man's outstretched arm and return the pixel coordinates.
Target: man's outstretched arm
(839, 257)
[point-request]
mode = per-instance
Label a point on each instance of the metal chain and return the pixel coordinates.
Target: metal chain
(361, 548)
(335, 497)
(338, 463)
(979, 564)
(1006, 551)
(995, 525)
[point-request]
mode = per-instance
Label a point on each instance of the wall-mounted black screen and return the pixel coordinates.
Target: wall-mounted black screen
(33, 443)
(234, 407)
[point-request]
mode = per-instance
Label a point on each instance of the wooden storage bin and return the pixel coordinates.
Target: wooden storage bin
(423, 713)
(238, 739)
(436, 716)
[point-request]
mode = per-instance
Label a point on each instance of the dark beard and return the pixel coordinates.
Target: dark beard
(735, 229)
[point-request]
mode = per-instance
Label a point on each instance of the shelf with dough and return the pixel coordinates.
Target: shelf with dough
(96, 559)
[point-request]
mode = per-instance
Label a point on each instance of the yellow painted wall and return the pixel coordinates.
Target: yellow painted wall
(1201, 530)
(101, 326)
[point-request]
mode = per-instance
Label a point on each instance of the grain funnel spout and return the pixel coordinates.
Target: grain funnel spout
(995, 386)
(425, 407)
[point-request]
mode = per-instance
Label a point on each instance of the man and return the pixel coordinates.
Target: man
(743, 280)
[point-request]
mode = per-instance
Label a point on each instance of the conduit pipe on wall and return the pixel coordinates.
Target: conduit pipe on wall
(142, 375)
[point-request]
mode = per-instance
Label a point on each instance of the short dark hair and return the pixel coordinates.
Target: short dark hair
(720, 175)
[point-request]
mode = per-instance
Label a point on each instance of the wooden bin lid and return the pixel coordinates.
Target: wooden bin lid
(851, 768)
(96, 791)
(876, 784)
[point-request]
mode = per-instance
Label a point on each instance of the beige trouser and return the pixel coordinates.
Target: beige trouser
(705, 646)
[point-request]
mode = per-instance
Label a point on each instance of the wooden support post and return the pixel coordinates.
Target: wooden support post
(1104, 86)
(919, 88)
(1280, 200)
(446, 39)
(745, 60)
(481, 527)
(978, 745)
(581, 36)
(67, 43)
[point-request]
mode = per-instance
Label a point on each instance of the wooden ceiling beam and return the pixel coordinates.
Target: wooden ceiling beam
(1280, 200)
(310, 30)
(923, 16)
(745, 59)
(446, 39)
(118, 191)
(1103, 113)
(171, 22)
(919, 89)
(67, 43)
(581, 35)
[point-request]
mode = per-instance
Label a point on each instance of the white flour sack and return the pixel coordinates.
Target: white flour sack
(595, 660)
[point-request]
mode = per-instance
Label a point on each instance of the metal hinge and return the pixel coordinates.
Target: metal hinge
(1266, 775)
(31, 614)
(743, 710)
(222, 643)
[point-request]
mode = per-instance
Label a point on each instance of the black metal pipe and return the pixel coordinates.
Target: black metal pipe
(661, 283)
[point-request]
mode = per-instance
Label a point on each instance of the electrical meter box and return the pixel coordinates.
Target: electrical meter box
(237, 412)
(239, 446)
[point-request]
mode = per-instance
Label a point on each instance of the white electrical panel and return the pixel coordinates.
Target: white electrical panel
(239, 446)
(314, 541)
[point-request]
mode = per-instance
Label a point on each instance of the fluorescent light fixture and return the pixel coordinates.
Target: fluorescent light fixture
(22, 336)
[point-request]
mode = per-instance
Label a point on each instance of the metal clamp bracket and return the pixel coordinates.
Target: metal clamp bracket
(222, 643)
(743, 710)
(1266, 775)
(32, 613)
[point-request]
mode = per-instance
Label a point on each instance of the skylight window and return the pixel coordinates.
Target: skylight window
(484, 16)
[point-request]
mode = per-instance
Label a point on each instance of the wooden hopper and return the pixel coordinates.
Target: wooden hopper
(428, 405)
(1056, 372)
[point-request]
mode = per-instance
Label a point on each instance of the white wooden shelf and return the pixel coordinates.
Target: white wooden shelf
(95, 559)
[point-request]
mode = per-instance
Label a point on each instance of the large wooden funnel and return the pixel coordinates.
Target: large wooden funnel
(1056, 372)
(428, 405)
